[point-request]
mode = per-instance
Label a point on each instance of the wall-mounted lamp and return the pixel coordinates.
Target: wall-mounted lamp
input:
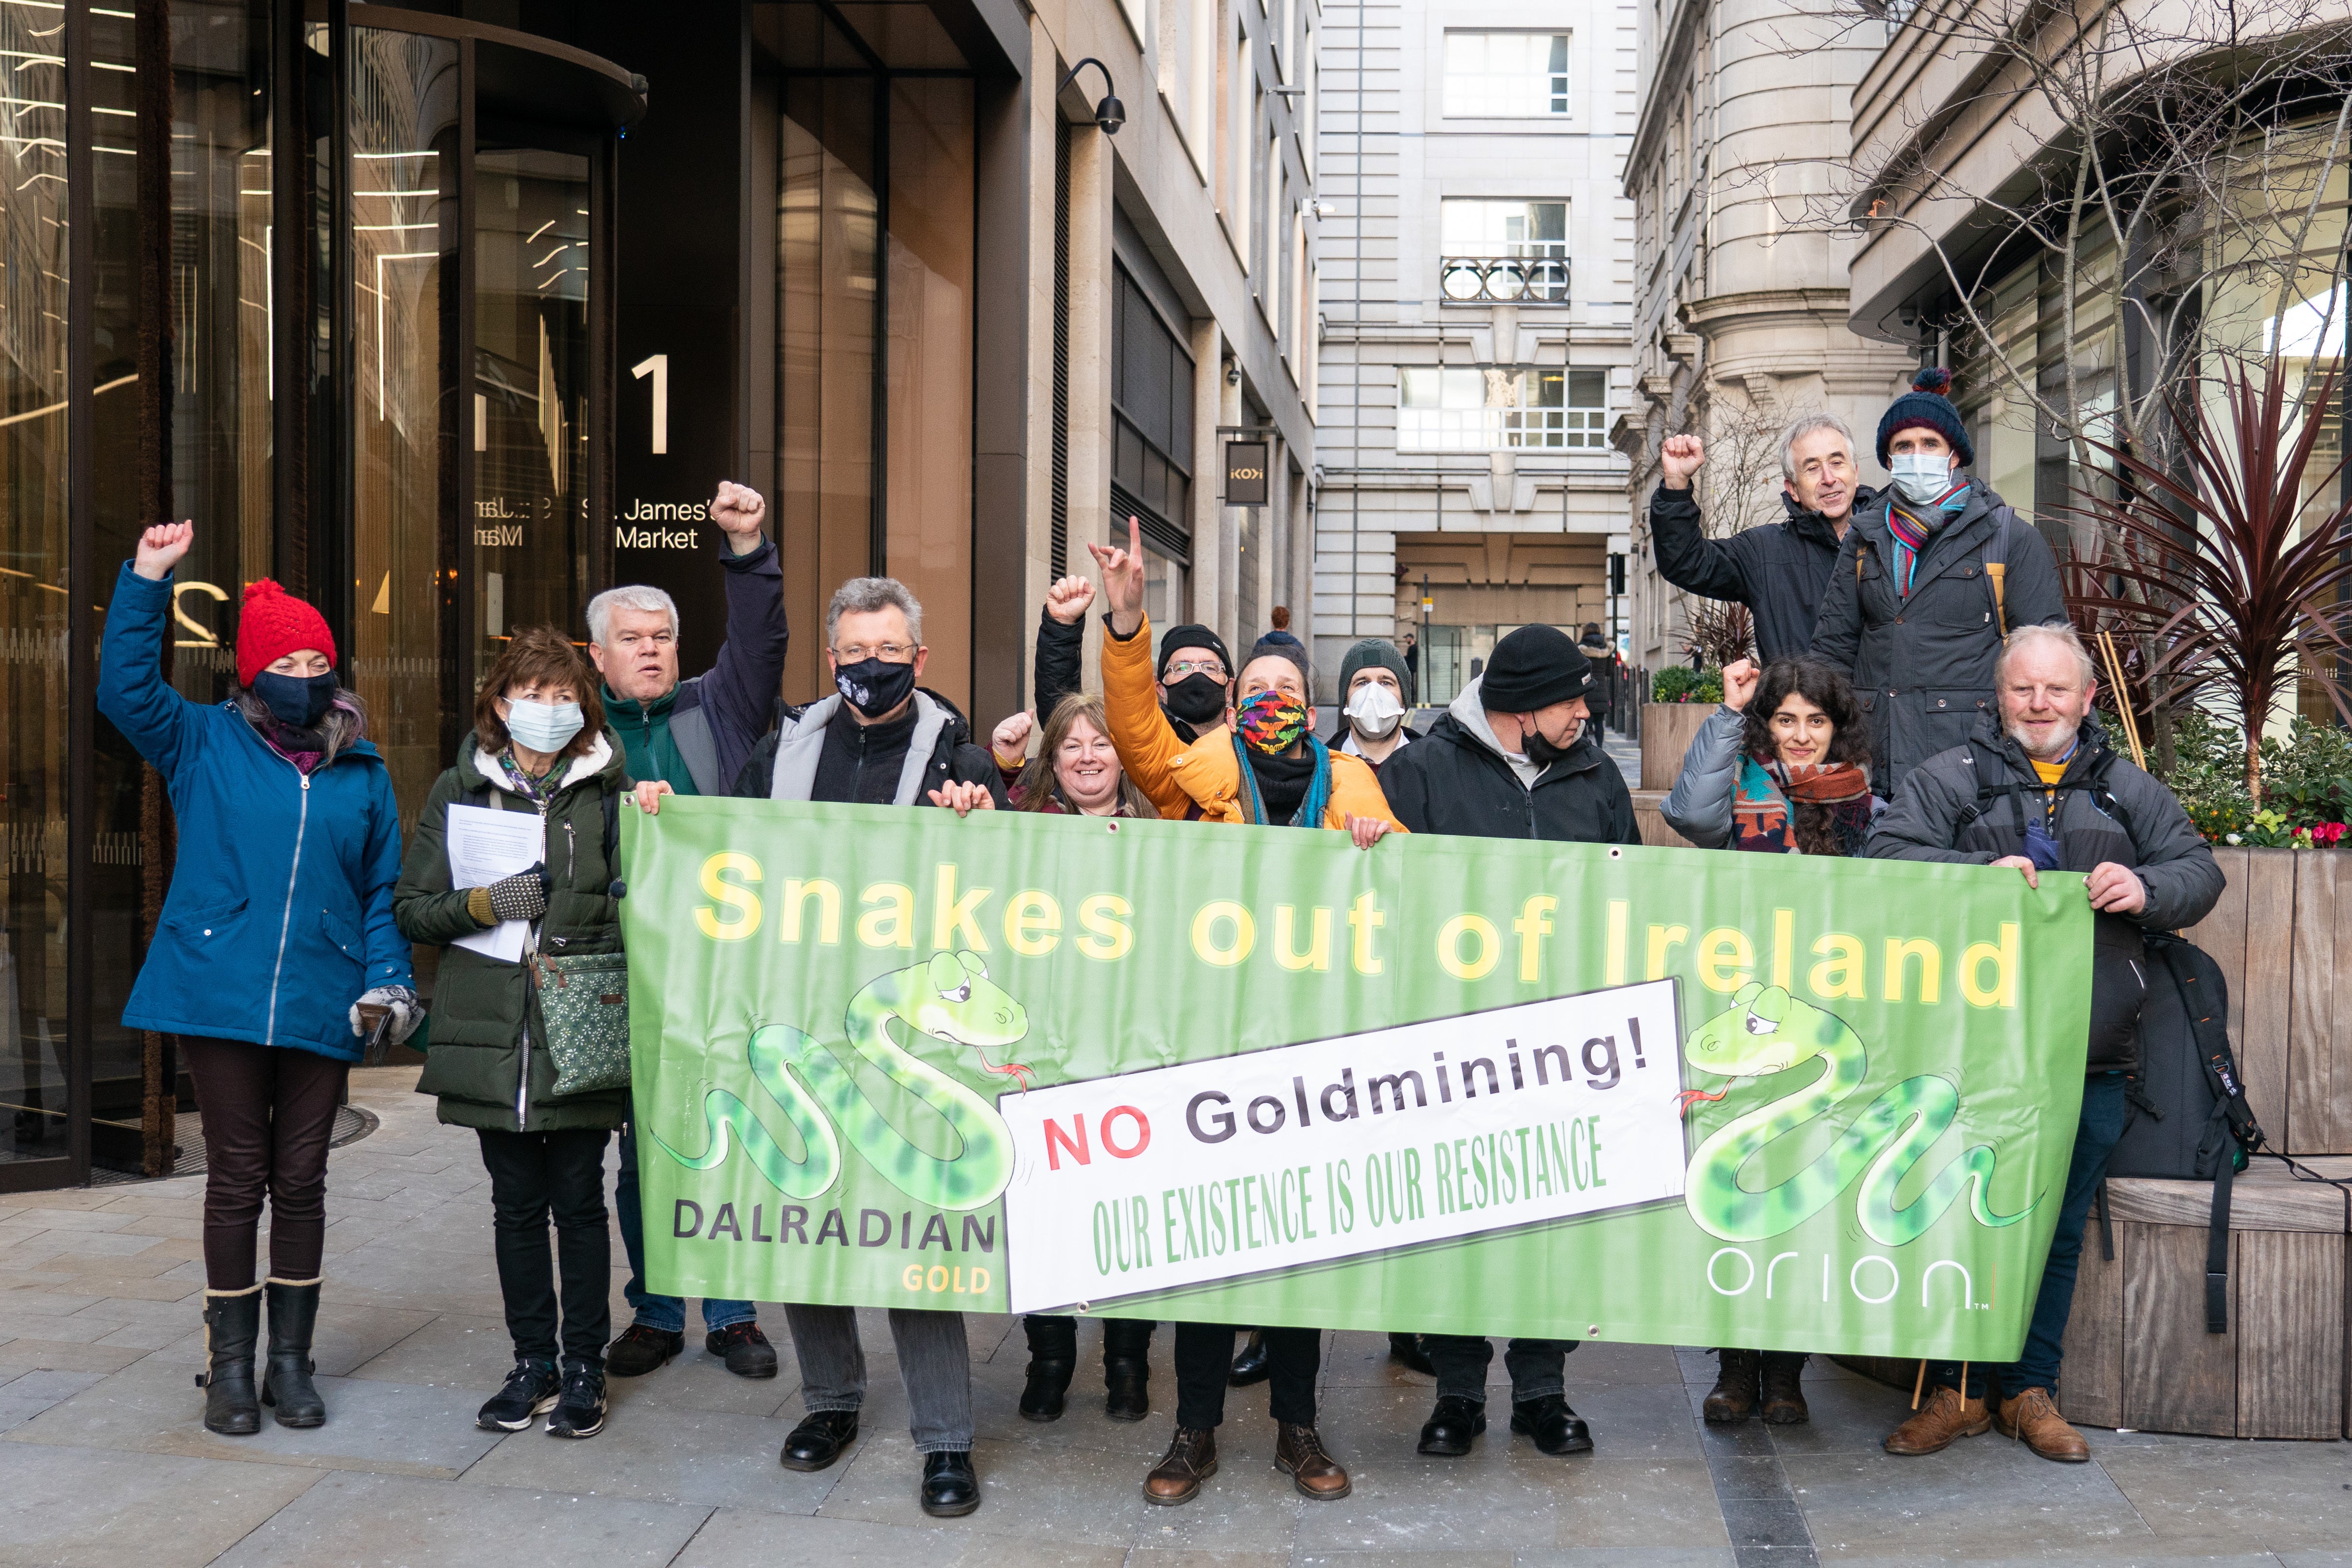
(1110, 114)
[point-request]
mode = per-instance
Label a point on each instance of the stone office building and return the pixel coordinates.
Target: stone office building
(450, 317)
(1476, 296)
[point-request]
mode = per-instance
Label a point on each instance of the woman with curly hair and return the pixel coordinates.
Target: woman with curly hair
(1782, 767)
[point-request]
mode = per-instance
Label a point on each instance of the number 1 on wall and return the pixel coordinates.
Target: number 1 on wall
(658, 366)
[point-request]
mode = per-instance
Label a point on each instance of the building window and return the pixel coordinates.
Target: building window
(1495, 410)
(1506, 76)
(1491, 250)
(1151, 419)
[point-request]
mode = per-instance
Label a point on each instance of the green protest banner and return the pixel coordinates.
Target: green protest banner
(1022, 1063)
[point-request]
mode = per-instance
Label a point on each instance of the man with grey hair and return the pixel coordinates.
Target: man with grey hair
(2040, 790)
(1777, 570)
(693, 736)
(877, 741)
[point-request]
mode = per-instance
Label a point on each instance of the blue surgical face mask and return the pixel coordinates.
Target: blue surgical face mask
(543, 727)
(1921, 477)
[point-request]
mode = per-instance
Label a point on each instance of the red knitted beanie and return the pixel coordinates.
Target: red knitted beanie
(273, 624)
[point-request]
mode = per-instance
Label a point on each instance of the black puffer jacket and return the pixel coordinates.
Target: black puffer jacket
(1457, 780)
(1963, 806)
(1779, 570)
(1922, 664)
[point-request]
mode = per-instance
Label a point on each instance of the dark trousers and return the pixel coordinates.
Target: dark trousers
(268, 1111)
(1053, 1337)
(2104, 1111)
(536, 1177)
(1538, 1367)
(1205, 1358)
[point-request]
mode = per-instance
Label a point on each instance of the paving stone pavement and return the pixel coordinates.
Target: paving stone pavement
(103, 1460)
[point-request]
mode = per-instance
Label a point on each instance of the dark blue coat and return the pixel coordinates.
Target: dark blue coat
(280, 910)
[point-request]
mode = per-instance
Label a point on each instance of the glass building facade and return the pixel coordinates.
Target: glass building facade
(344, 285)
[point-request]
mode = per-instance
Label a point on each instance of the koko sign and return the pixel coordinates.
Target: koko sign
(1245, 473)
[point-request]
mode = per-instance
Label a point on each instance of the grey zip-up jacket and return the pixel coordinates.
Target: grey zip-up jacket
(1962, 806)
(1922, 663)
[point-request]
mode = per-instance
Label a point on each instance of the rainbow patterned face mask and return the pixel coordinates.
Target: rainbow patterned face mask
(1272, 721)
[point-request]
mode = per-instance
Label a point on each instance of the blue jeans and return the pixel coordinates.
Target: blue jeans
(2104, 1111)
(667, 1313)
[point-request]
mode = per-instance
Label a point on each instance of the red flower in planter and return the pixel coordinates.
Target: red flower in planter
(2329, 833)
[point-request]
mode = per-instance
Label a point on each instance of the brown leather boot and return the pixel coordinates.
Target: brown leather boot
(1299, 1451)
(2033, 1416)
(1733, 1397)
(1784, 1394)
(1192, 1459)
(1942, 1420)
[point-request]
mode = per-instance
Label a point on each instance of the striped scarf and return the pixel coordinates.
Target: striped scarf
(1912, 531)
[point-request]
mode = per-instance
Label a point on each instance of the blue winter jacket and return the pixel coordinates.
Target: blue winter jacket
(280, 910)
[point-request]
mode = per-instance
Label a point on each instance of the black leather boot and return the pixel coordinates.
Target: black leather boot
(286, 1387)
(1453, 1426)
(1736, 1390)
(1127, 1369)
(1043, 1396)
(232, 1322)
(1254, 1364)
(1783, 1395)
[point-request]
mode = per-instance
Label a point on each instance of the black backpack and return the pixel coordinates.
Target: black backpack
(2189, 1119)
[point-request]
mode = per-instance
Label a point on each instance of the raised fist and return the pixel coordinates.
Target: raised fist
(738, 510)
(1067, 599)
(1740, 679)
(1011, 740)
(1681, 457)
(160, 547)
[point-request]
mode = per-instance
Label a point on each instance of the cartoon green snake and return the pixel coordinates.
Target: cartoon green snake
(949, 999)
(1767, 1031)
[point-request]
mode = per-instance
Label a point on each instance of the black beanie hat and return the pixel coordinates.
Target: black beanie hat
(1177, 638)
(1924, 406)
(1534, 667)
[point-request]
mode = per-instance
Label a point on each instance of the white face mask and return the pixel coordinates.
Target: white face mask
(1374, 712)
(544, 727)
(1921, 477)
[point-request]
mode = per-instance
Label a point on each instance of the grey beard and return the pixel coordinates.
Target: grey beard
(2055, 752)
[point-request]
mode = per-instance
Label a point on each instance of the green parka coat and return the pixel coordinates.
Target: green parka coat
(489, 1061)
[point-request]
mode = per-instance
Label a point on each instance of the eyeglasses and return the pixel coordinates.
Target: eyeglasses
(1184, 667)
(887, 652)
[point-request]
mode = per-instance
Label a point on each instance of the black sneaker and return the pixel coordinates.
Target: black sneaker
(579, 1412)
(531, 1387)
(744, 1348)
(640, 1350)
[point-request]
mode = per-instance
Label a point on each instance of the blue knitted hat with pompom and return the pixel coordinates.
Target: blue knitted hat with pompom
(1925, 407)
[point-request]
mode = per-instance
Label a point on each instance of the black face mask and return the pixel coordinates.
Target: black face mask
(873, 687)
(1196, 698)
(298, 701)
(1541, 750)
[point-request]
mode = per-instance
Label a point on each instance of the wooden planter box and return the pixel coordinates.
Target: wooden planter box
(2137, 1355)
(2282, 935)
(2138, 1352)
(1667, 730)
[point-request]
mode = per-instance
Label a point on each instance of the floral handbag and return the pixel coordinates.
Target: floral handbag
(583, 1001)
